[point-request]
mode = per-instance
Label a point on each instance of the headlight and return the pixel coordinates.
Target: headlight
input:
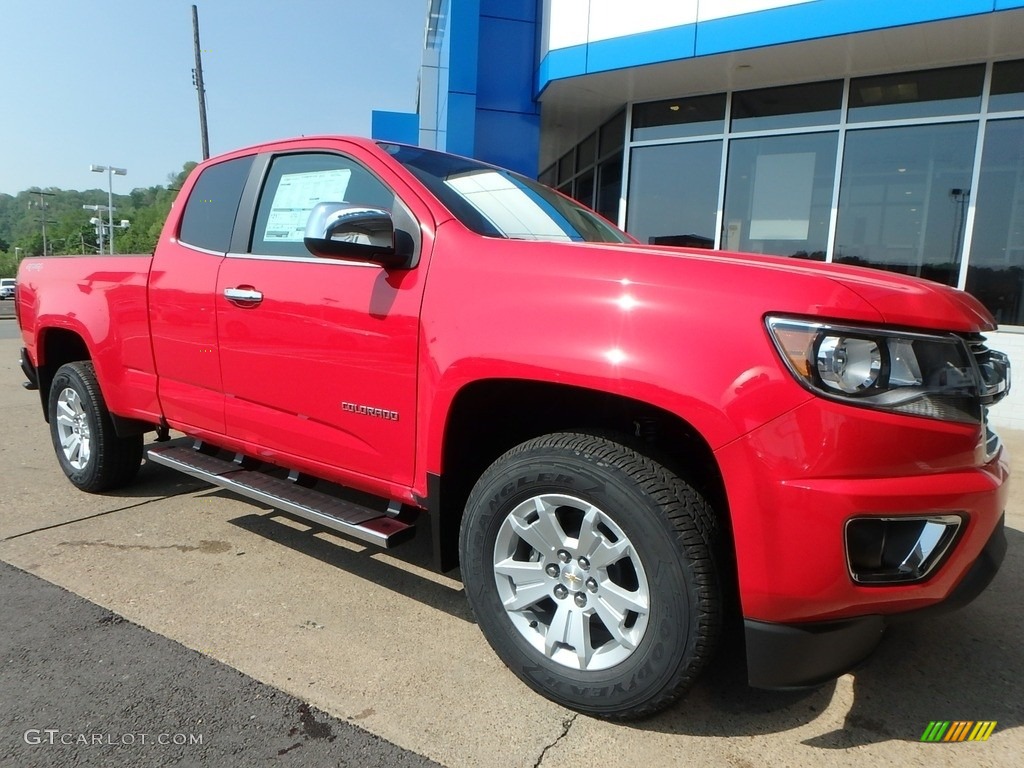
(917, 374)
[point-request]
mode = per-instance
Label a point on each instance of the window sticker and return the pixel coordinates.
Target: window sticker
(783, 187)
(295, 197)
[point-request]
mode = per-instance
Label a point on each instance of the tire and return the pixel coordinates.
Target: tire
(91, 454)
(591, 571)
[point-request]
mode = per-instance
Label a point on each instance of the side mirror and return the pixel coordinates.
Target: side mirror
(340, 230)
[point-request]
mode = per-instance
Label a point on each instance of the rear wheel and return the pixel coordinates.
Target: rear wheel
(590, 569)
(90, 452)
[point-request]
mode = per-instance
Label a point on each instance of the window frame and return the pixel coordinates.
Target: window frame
(244, 233)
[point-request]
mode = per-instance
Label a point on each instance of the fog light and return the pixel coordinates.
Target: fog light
(891, 550)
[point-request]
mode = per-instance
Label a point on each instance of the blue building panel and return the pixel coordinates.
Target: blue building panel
(646, 48)
(825, 18)
(775, 26)
(463, 40)
(561, 63)
(403, 127)
(505, 73)
(461, 124)
(508, 139)
(518, 10)
(483, 62)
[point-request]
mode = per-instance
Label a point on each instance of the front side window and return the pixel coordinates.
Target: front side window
(295, 184)
(209, 215)
(498, 203)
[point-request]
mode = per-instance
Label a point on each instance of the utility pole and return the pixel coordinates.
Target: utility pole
(197, 76)
(42, 213)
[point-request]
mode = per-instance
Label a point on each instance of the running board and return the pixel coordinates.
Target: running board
(364, 523)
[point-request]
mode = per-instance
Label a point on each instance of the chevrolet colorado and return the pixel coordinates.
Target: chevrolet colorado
(620, 445)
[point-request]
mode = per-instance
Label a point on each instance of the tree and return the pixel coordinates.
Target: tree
(68, 230)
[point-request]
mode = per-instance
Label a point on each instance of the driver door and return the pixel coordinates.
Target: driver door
(319, 355)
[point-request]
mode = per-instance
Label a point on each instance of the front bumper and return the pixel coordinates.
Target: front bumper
(800, 655)
(794, 484)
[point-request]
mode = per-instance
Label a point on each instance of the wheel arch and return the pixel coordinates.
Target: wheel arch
(55, 347)
(488, 417)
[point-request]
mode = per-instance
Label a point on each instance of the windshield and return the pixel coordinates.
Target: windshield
(498, 203)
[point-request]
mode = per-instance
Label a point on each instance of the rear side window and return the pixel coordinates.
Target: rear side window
(210, 211)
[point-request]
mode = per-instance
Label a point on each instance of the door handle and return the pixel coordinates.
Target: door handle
(243, 295)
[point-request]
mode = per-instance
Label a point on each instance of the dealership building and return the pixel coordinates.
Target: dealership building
(885, 133)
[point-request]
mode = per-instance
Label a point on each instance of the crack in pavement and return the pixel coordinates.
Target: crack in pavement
(93, 517)
(566, 725)
(205, 546)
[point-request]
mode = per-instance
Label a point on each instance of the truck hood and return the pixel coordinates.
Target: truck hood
(899, 299)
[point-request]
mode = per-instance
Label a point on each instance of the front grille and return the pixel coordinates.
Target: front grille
(992, 441)
(994, 384)
(993, 370)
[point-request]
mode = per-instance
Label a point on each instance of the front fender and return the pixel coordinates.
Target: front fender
(680, 332)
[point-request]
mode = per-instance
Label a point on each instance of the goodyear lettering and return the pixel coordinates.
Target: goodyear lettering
(523, 482)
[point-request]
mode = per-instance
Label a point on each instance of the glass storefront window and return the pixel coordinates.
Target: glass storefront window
(951, 91)
(612, 135)
(778, 194)
(673, 193)
(788, 107)
(585, 188)
(586, 153)
(565, 167)
(996, 270)
(679, 118)
(903, 198)
(1007, 86)
(609, 187)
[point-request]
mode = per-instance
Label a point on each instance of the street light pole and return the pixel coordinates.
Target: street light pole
(97, 221)
(111, 172)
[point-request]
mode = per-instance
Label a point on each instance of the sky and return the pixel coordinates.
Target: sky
(109, 82)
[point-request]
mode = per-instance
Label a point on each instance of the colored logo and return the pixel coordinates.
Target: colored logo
(958, 730)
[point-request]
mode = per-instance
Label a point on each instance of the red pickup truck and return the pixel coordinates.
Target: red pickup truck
(622, 446)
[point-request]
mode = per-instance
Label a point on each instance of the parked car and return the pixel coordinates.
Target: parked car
(7, 287)
(621, 445)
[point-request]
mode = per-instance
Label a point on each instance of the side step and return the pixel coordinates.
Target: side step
(364, 523)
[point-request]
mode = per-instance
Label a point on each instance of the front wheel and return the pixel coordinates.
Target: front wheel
(590, 569)
(90, 452)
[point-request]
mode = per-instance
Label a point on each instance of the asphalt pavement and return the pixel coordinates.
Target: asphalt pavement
(80, 685)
